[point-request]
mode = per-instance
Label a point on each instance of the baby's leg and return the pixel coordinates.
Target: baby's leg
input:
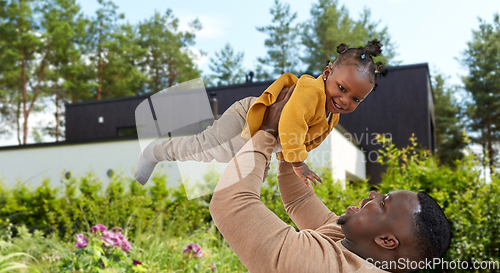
(221, 142)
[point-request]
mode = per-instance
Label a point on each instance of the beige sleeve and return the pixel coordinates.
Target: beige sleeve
(262, 241)
(219, 142)
(302, 204)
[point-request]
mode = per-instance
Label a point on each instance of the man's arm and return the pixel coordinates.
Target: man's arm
(253, 231)
(302, 204)
(260, 239)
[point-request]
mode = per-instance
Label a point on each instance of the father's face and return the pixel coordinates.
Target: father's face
(380, 214)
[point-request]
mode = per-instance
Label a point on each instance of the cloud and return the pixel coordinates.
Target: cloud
(212, 27)
(199, 58)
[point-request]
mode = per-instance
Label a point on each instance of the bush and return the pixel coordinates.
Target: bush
(160, 221)
(471, 204)
(124, 202)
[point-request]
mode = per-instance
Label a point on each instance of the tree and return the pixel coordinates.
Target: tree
(169, 59)
(10, 97)
(227, 66)
(330, 26)
(25, 47)
(121, 75)
(282, 55)
(482, 57)
(63, 18)
(449, 135)
(100, 31)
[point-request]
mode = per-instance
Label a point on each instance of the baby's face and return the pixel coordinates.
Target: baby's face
(345, 88)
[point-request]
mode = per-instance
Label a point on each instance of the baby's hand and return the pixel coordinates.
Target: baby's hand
(303, 172)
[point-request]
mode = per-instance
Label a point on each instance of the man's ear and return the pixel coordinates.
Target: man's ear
(388, 241)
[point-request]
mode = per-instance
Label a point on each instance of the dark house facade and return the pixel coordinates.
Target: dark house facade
(402, 104)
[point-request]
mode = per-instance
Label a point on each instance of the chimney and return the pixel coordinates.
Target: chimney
(214, 104)
(249, 77)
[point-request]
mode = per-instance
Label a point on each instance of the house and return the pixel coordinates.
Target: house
(101, 135)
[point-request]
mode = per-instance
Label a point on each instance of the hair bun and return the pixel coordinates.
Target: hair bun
(380, 69)
(373, 47)
(342, 48)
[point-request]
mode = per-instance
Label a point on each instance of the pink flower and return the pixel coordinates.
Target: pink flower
(126, 245)
(110, 239)
(214, 268)
(97, 228)
(117, 228)
(116, 239)
(136, 262)
(81, 241)
(196, 249)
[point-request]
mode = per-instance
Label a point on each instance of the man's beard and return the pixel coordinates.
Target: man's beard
(340, 221)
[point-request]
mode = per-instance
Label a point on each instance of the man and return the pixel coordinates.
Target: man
(388, 230)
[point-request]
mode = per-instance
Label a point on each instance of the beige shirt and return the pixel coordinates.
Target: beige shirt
(262, 241)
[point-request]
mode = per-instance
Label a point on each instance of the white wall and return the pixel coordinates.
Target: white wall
(33, 164)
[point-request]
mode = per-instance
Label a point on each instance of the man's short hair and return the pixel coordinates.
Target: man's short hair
(433, 232)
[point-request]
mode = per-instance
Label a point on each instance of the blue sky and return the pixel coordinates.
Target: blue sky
(433, 32)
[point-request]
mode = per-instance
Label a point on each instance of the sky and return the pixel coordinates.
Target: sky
(433, 32)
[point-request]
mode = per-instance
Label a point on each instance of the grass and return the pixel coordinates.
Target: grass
(157, 249)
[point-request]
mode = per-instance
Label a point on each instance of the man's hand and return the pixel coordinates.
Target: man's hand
(303, 172)
(273, 112)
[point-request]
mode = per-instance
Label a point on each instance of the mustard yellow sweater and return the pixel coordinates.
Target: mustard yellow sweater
(303, 124)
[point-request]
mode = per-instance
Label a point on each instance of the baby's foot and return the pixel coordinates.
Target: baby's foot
(145, 165)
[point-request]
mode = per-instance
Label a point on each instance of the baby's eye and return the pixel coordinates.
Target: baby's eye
(341, 88)
(356, 99)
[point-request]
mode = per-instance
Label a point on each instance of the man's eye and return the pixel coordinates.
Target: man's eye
(383, 201)
(341, 88)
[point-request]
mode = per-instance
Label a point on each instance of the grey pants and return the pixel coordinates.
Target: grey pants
(221, 141)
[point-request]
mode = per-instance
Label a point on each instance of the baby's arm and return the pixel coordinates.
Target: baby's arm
(302, 170)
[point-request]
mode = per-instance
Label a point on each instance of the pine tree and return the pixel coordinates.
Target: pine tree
(63, 18)
(24, 50)
(482, 57)
(330, 26)
(10, 96)
(227, 67)
(168, 58)
(282, 55)
(449, 130)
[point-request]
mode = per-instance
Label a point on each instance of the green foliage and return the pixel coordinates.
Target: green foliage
(483, 85)
(471, 204)
(282, 54)
(23, 51)
(330, 26)
(49, 49)
(226, 67)
(168, 60)
(8, 262)
(160, 222)
(449, 135)
(122, 203)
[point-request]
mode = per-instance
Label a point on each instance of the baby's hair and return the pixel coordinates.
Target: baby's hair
(361, 57)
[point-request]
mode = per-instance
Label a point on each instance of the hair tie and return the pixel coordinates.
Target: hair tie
(363, 56)
(330, 64)
(343, 51)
